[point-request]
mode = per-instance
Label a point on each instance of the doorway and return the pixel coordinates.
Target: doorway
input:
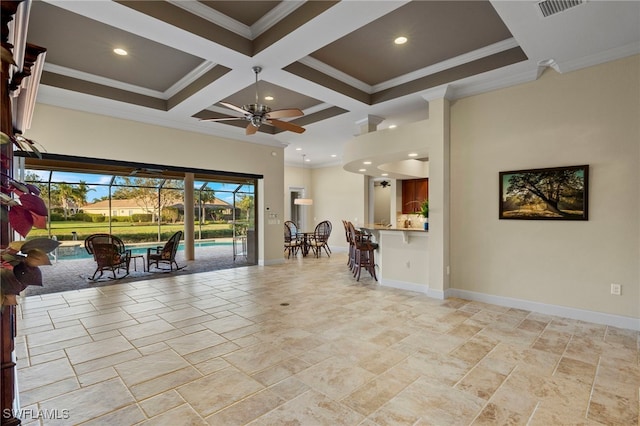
(381, 194)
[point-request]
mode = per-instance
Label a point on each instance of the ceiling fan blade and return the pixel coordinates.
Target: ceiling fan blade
(285, 125)
(283, 113)
(233, 107)
(222, 119)
(251, 129)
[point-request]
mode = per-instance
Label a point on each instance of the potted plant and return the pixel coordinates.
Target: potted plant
(22, 208)
(424, 212)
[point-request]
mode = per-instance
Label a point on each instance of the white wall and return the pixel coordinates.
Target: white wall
(590, 117)
(69, 132)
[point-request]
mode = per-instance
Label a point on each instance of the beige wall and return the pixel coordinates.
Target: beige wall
(590, 117)
(336, 194)
(68, 132)
(339, 195)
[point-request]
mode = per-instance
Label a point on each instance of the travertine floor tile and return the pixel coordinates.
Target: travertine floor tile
(100, 349)
(90, 402)
(161, 403)
(335, 377)
(45, 373)
(219, 348)
(310, 408)
(218, 390)
(247, 410)
(149, 367)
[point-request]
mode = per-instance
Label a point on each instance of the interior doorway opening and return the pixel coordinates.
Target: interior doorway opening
(297, 214)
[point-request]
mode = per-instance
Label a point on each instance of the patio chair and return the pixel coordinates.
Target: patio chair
(109, 253)
(165, 254)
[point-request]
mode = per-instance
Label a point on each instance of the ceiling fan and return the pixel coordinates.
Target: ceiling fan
(258, 114)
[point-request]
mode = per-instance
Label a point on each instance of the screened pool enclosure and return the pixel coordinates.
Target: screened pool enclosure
(144, 204)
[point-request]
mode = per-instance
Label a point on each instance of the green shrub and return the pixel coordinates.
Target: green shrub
(82, 217)
(170, 214)
(142, 217)
(96, 218)
(121, 219)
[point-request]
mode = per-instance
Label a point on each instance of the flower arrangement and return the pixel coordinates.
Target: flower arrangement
(23, 209)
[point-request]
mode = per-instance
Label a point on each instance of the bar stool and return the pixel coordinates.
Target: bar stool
(363, 253)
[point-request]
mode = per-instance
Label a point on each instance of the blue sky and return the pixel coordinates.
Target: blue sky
(99, 184)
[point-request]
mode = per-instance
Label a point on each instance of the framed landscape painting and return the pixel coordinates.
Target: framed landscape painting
(558, 193)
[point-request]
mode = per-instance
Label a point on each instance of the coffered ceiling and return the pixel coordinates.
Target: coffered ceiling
(335, 60)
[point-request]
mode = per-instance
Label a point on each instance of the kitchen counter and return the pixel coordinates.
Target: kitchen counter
(402, 257)
(375, 227)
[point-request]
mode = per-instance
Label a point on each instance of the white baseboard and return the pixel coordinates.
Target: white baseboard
(404, 285)
(562, 311)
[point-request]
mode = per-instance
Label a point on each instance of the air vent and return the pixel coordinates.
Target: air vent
(551, 7)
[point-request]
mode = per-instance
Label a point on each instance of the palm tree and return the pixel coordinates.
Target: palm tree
(64, 193)
(206, 196)
(246, 204)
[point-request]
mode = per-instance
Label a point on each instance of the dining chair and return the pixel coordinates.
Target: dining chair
(291, 241)
(295, 231)
(109, 253)
(330, 229)
(320, 238)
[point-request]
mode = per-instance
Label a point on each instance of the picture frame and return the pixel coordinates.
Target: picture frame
(556, 193)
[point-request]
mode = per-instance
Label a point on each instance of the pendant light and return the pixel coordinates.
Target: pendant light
(303, 201)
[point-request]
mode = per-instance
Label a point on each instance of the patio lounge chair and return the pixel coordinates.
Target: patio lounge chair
(109, 253)
(165, 254)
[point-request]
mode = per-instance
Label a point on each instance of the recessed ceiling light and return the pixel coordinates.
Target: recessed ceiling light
(268, 98)
(307, 160)
(393, 126)
(400, 40)
(298, 149)
(121, 52)
(366, 162)
(413, 154)
(333, 155)
(385, 174)
(362, 170)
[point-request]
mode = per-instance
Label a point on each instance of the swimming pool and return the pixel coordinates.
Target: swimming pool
(79, 252)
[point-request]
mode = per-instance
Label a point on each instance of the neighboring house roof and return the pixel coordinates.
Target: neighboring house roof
(132, 203)
(115, 204)
(215, 203)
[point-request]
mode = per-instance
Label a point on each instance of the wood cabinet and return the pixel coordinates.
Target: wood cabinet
(414, 192)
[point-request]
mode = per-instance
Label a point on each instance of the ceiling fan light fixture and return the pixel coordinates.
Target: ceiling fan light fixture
(258, 114)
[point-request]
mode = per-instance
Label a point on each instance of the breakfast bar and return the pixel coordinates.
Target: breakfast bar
(402, 257)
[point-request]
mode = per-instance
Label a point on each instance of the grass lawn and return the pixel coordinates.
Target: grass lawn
(63, 229)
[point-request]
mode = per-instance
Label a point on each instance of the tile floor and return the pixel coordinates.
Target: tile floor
(303, 343)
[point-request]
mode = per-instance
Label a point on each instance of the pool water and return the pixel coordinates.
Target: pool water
(79, 252)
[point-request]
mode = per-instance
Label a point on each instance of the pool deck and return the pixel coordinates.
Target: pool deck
(65, 275)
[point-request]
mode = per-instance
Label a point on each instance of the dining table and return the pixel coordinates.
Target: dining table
(306, 241)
